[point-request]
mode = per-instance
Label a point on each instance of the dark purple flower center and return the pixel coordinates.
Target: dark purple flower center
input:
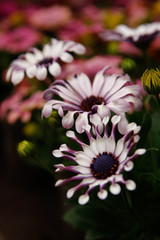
(45, 62)
(89, 102)
(104, 165)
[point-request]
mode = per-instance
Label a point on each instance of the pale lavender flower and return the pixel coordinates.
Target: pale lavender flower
(81, 97)
(144, 33)
(102, 161)
(36, 63)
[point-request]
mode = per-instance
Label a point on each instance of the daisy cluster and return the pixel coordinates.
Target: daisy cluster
(96, 107)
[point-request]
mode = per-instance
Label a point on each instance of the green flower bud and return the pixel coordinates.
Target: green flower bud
(112, 47)
(151, 81)
(128, 65)
(31, 129)
(54, 120)
(25, 149)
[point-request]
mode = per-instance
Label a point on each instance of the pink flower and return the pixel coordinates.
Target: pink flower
(7, 7)
(18, 107)
(19, 39)
(92, 66)
(76, 30)
(73, 30)
(129, 49)
(154, 49)
(137, 12)
(94, 100)
(91, 14)
(50, 18)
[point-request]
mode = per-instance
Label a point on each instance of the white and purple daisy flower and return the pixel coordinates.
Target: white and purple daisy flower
(81, 97)
(144, 33)
(102, 161)
(36, 63)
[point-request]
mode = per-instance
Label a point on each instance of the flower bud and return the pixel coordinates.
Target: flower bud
(54, 119)
(31, 129)
(151, 81)
(25, 149)
(112, 47)
(128, 65)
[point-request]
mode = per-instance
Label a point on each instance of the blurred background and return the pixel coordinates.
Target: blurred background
(30, 206)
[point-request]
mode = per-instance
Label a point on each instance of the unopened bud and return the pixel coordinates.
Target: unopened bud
(25, 149)
(54, 119)
(151, 81)
(128, 65)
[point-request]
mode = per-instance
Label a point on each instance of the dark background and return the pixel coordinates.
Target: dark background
(31, 208)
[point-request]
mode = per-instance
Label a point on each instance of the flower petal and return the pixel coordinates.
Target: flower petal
(17, 77)
(129, 166)
(102, 194)
(68, 120)
(83, 199)
(31, 71)
(66, 57)
(81, 122)
(54, 69)
(130, 185)
(41, 73)
(115, 188)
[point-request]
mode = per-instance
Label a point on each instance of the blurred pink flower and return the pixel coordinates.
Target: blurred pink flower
(18, 107)
(139, 82)
(50, 18)
(137, 12)
(19, 39)
(92, 66)
(91, 14)
(154, 49)
(77, 29)
(79, 4)
(7, 7)
(129, 49)
(73, 30)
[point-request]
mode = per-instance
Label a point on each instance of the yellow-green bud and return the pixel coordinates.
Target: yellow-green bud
(151, 81)
(54, 120)
(31, 129)
(112, 47)
(128, 65)
(25, 149)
